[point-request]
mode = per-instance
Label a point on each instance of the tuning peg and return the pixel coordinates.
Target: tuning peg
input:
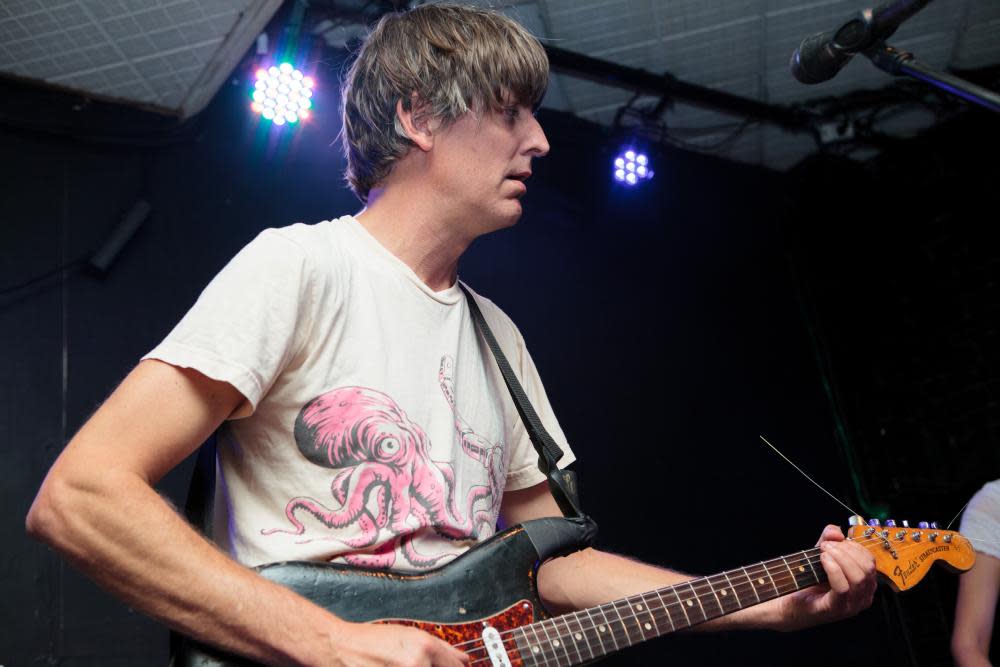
(874, 523)
(934, 525)
(856, 520)
(924, 525)
(890, 523)
(906, 524)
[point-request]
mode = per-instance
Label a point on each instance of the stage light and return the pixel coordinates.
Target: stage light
(631, 167)
(282, 94)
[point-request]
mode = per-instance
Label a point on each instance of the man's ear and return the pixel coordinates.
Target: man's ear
(418, 127)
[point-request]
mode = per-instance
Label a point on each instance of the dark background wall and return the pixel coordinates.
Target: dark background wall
(672, 325)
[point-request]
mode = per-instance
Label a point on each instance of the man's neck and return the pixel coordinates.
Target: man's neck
(421, 235)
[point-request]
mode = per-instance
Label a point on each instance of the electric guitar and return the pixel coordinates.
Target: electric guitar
(486, 602)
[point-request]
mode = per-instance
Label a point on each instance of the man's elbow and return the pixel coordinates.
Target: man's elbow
(48, 515)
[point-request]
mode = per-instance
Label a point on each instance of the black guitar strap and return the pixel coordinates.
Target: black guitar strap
(562, 483)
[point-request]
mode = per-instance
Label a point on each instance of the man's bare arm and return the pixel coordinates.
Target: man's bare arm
(591, 577)
(98, 507)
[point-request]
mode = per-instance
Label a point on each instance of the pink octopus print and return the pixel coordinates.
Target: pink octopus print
(386, 480)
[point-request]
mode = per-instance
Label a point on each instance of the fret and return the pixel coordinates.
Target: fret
(750, 581)
(637, 608)
(770, 577)
(778, 574)
(552, 644)
(640, 609)
(624, 623)
(736, 594)
(570, 639)
(680, 603)
(630, 623)
(651, 614)
(724, 593)
(709, 600)
(790, 573)
(530, 653)
(585, 634)
(537, 647)
(697, 598)
(808, 559)
(666, 611)
(760, 583)
(606, 628)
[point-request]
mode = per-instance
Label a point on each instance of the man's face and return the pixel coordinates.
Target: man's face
(479, 164)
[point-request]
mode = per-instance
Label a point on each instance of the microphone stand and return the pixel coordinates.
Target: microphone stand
(898, 62)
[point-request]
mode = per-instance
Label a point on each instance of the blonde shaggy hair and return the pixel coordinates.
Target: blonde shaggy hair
(449, 60)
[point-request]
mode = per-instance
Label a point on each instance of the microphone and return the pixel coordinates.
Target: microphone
(821, 56)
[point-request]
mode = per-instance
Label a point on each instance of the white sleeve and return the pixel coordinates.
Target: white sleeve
(249, 321)
(981, 521)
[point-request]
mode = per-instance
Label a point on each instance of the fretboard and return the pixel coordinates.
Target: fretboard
(582, 636)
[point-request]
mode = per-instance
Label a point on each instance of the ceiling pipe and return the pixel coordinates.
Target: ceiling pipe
(660, 85)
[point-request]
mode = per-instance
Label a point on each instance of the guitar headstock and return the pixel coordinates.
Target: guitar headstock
(904, 554)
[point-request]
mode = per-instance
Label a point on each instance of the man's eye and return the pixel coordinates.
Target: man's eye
(512, 112)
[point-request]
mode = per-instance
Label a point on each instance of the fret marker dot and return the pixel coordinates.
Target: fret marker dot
(555, 643)
(578, 636)
(690, 604)
(601, 628)
(535, 649)
(801, 569)
(638, 607)
(724, 592)
(648, 626)
(760, 581)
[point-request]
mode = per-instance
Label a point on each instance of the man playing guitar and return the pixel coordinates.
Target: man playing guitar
(359, 421)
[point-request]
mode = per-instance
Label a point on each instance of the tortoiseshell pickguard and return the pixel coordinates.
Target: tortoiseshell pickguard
(467, 636)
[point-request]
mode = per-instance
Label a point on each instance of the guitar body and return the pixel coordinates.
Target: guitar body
(492, 583)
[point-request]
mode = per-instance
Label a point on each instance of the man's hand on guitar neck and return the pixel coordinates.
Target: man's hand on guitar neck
(591, 577)
(850, 587)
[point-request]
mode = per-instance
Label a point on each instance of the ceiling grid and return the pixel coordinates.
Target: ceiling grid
(171, 55)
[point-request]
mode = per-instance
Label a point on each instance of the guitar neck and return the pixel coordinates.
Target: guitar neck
(586, 635)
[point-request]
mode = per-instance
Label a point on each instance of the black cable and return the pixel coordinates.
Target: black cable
(37, 279)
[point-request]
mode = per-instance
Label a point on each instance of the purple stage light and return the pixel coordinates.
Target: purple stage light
(631, 168)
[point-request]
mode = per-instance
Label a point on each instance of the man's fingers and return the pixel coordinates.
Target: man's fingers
(834, 572)
(831, 533)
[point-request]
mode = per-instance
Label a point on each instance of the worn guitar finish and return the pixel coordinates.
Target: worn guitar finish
(493, 587)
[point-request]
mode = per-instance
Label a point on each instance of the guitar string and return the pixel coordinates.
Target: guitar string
(959, 512)
(703, 584)
(818, 486)
(694, 584)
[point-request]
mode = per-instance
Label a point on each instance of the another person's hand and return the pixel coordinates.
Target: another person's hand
(850, 587)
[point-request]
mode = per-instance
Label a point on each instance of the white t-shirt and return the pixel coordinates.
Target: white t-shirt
(376, 429)
(981, 521)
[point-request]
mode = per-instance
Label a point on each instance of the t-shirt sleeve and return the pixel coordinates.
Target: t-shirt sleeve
(249, 321)
(522, 471)
(981, 521)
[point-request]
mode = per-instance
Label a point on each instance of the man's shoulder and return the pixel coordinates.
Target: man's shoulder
(499, 321)
(308, 236)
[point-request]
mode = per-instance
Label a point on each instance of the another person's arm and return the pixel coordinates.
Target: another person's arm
(978, 590)
(99, 508)
(591, 577)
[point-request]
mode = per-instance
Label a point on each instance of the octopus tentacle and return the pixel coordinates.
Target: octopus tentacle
(382, 558)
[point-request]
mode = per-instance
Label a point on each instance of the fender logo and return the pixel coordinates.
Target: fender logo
(914, 565)
(902, 574)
